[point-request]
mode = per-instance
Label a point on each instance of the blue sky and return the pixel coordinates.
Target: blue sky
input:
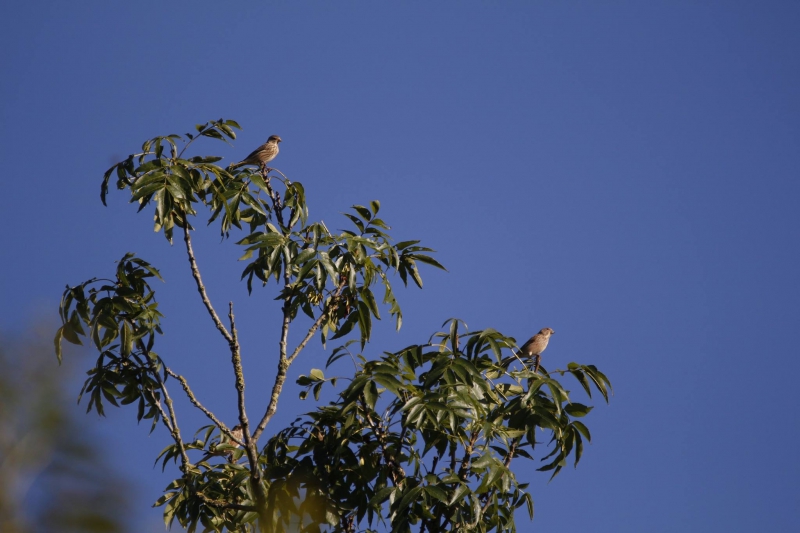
(623, 172)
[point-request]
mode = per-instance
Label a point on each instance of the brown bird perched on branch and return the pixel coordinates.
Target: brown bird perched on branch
(238, 434)
(261, 155)
(536, 345)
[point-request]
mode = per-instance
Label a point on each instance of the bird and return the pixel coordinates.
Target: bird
(536, 345)
(261, 155)
(238, 434)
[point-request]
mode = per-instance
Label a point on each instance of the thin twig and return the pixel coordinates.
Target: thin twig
(462, 471)
(200, 406)
(282, 174)
(293, 210)
(277, 205)
(200, 287)
(309, 335)
(175, 430)
(507, 462)
(317, 323)
(397, 472)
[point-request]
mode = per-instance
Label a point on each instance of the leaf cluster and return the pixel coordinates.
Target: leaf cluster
(424, 437)
(170, 181)
(335, 274)
(321, 272)
(121, 318)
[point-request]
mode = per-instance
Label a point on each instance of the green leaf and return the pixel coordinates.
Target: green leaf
(363, 211)
(495, 472)
(369, 299)
(325, 259)
(404, 244)
(259, 182)
(437, 493)
(69, 330)
(364, 322)
(577, 409)
(408, 497)
(347, 326)
(461, 491)
(126, 341)
(370, 394)
(148, 190)
(389, 382)
(270, 240)
(379, 223)
(356, 221)
(598, 379)
(583, 429)
(57, 342)
(483, 461)
(428, 260)
(412, 268)
(581, 377)
(304, 256)
(381, 495)
(578, 446)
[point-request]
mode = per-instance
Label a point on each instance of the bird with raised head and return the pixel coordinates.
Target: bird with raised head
(261, 155)
(534, 346)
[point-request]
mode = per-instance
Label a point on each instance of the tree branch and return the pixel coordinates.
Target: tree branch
(462, 471)
(397, 472)
(507, 462)
(200, 287)
(277, 205)
(172, 421)
(200, 406)
(249, 441)
(236, 360)
(272, 407)
(309, 335)
(284, 361)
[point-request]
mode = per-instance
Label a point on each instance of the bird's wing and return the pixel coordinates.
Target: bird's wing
(254, 153)
(528, 342)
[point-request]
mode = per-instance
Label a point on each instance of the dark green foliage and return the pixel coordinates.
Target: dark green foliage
(425, 436)
(121, 318)
(422, 438)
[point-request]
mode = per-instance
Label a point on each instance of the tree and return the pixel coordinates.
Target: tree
(422, 438)
(53, 476)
